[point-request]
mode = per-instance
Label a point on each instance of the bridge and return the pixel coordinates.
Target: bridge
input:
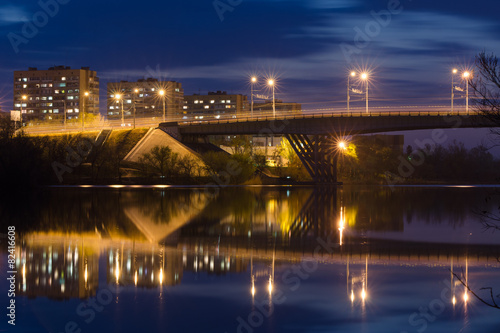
(314, 136)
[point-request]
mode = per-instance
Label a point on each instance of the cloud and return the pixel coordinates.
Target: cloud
(12, 15)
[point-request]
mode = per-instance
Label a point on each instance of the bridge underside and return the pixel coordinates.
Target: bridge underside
(317, 154)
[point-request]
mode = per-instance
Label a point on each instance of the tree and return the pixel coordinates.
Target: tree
(161, 160)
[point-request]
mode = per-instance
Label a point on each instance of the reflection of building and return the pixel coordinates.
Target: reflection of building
(146, 95)
(151, 269)
(214, 264)
(215, 105)
(48, 92)
(60, 271)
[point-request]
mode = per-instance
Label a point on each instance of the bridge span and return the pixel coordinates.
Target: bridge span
(313, 136)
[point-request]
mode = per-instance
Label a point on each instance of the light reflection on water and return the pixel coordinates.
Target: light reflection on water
(230, 260)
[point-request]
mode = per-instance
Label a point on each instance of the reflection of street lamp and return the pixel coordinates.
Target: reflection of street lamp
(466, 76)
(85, 96)
(119, 97)
(453, 72)
(253, 81)
(271, 83)
(352, 74)
(364, 77)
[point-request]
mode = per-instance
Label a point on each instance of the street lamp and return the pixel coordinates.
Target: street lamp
(364, 77)
(272, 84)
(136, 91)
(119, 97)
(82, 113)
(162, 94)
(453, 72)
(466, 76)
(352, 74)
(253, 81)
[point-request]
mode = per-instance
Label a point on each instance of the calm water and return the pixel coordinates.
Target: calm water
(254, 259)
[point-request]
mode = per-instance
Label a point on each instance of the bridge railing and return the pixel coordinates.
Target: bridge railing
(352, 114)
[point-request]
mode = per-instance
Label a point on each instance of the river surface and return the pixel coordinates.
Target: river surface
(252, 259)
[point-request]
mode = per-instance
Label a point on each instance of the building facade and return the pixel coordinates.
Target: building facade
(146, 96)
(56, 92)
(215, 105)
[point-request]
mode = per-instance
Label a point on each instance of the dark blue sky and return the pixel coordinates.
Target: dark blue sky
(410, 53)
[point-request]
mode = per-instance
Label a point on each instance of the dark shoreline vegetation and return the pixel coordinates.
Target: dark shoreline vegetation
(27, 162)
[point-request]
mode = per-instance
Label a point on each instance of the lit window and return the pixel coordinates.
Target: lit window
(50, 98)
(228, 101)
(56, 91)
(223, 101)
(77, 110)
(206, 106)
(177, 89)
(63, 78)
(212, 102)
(25, 86)
(112, 96)
(44, 98)
(152, 106)
(56, 110)
(111, 107)
(196, 102)
(201, 102)
(62, 85)
(44, 85)
(69, 111)
(70, 97)
(228, 106)
(25, 79)
(17, 105)
(185, 107)
(129, 101)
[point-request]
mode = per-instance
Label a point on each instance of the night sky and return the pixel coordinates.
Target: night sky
(310, 46)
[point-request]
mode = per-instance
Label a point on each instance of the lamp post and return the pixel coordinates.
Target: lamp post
(466, 76)
(253, 81)
(364, 77)
(119, 97)
(353, 74)
(64, 110)
(162, 94)
(453, 72)
(136, 91)
(23, 98)
(272, 84)
(82, 114)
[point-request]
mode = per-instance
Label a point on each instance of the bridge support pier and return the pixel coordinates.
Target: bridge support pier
(318, 155)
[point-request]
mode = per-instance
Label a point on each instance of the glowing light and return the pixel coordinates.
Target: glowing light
(455, 71)
(342, 145)
(161, 92)
(454, 300)
(352, 296)
(364, 76)
(270, 286)
(353, 74)
(253, 290)
(254, 79)
(86, 93)
(117, 270)
(136, 90)
(86, 274)
(465, 297)
(363, 294)
(466, 75)
(135, 278)
(118, 96)
(161, 275)
(24, 97)
(271, 82)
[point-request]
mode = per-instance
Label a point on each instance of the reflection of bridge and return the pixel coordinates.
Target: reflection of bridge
(313, 136)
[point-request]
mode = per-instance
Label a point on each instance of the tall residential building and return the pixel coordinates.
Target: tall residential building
(46, 94)
(146, 96)
(215, 105)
